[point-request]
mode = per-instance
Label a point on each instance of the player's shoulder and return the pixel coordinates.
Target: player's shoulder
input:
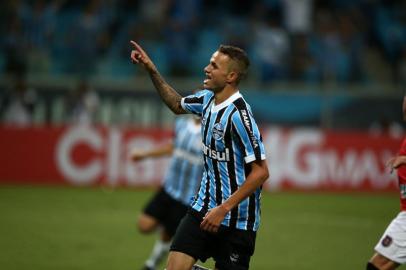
(241, 106)
(204, 92)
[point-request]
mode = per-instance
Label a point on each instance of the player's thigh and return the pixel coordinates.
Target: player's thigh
(383, 263)
(179, 261)
(235, 250)
(154, 212)
(176, 212)
(147, 223)
(190, 239)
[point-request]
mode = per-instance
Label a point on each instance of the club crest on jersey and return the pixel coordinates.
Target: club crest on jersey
(386, 241)
(218, 131)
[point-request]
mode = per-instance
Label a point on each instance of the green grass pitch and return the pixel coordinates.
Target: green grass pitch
(59, 228)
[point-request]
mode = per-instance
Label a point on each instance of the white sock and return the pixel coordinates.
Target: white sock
(158, 253)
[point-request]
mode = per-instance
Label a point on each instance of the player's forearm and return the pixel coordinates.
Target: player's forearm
(399, 161)
(171, 98)
(254, 180)
(162, 151)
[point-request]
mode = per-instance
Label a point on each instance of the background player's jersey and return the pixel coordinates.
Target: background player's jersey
(185, 169)
(402, 178)
(231, 140)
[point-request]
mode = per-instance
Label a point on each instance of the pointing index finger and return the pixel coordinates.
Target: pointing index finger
(138, 47)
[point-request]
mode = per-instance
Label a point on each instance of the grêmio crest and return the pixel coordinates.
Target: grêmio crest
(218, 131)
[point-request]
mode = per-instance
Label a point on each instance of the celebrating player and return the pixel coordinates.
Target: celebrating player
(225, 215)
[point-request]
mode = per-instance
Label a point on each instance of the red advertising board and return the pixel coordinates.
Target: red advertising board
(87, 155)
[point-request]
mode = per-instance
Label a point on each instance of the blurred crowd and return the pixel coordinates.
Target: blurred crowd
(288, 40)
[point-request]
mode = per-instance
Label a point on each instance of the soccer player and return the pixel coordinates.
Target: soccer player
(390, 252)
(225, 215)
(180, 185)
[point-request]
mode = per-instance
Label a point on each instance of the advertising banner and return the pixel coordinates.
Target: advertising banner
(305, 159)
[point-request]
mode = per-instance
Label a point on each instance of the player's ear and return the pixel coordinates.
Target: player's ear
(232, 76)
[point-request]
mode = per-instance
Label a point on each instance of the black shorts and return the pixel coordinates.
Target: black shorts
(230, 248)
(168, 211)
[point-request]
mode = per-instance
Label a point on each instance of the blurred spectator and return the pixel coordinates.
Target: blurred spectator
(340, 40)
(154, 14)
(271, 47)
(14, 48)
(303, 66)
(297, 15)
(353, 42)
(328, 48)
(39, 22)
(89, 37)
(18, 104)
(390, 26)
(384, 127)
(82, 104)
(180, 34)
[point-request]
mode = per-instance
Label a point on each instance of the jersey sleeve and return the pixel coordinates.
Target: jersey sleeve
(194, 103)
(248, 134)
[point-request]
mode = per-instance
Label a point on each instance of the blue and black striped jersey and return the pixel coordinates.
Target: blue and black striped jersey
(184, 173)
(231, 139)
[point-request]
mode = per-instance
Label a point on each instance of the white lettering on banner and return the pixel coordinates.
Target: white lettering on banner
(72, 172)
(298, 157)
(305, 166)
(353, 168)
(115, 166)
(274, 146)
(113, 156)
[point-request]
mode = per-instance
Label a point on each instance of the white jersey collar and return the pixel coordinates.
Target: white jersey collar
(225, 103)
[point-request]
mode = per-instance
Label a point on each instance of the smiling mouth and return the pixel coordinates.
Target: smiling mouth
(208, 78)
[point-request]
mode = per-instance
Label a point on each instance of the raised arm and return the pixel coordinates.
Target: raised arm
(171, 98)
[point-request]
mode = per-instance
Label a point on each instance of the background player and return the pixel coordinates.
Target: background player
(391, 248)
(226, 212)
(181, 182)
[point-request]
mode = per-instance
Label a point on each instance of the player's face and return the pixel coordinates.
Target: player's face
(216, 72)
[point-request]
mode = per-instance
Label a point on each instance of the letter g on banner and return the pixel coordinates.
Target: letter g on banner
(78, 175)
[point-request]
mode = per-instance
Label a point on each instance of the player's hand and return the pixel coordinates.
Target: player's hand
(137, 155)
(139, 56)
(396, 162)
(213, 218)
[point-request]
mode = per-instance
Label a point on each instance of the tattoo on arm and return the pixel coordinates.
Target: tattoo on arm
(171, 98)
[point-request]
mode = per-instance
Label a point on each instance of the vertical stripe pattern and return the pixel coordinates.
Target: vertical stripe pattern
(184, 173)
(231, 140)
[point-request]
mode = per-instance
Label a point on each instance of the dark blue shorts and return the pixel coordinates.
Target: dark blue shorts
(230, 248)
(168, 211)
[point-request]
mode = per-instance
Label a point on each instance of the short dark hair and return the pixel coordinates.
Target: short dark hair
(239, 56)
